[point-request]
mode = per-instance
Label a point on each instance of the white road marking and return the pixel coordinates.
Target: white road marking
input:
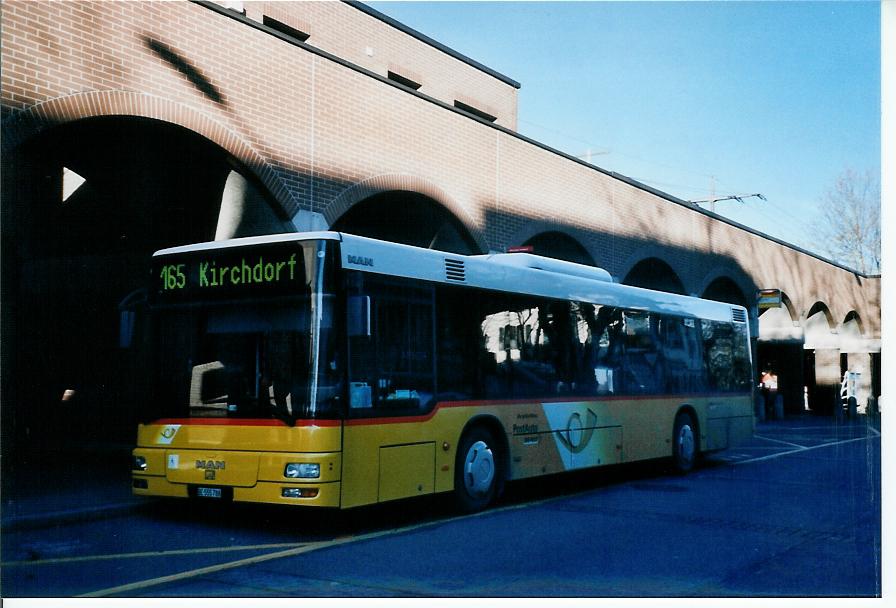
(88, 558)
(816, 428)
(207, 570)
(805, 449)
(760, 447)
(795, 445)
(306, 548)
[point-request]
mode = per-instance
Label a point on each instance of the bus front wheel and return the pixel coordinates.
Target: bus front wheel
(476, 471)
(685, 443)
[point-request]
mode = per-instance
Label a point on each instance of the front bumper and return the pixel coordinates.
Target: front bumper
(262, 492)
(241, 476)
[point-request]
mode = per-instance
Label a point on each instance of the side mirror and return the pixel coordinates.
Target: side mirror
(126, 328)
(128, 309)
(358, 316)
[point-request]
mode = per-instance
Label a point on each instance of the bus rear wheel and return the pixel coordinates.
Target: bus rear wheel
(476, 471)
(685, 443)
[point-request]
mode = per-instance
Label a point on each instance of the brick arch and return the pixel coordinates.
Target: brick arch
(671, 281)
(819, 305)
(788, 308)
(386, 182)
(574, 250)
(34, 120)
(532, 228)
(851, 316)
(645, 253)
(786, 318)
(791, 309)
(820, 334)
(741, 280)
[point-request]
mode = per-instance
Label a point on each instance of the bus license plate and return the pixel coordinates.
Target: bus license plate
(208, 492)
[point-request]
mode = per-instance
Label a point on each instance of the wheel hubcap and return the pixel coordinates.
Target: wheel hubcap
(479, 468)
(686, 444)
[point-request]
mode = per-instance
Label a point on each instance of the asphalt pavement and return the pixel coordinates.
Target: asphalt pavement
(48, 487)
(801, 492)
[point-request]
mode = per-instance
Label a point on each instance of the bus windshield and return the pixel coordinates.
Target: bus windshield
(232, 353)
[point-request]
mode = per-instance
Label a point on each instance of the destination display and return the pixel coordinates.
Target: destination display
(268, 270)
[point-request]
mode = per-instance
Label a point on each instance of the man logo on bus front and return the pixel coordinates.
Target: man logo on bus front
(360, 260)
(210, 465)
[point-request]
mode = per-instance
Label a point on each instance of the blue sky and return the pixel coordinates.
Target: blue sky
(743, 97)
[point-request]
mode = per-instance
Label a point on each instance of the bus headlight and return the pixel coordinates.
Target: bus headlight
(139, 463)
(302, 470)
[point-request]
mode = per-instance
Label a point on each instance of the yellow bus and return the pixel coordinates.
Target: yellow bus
(327, 369)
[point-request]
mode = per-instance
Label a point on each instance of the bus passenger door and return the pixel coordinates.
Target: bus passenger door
(388, 442)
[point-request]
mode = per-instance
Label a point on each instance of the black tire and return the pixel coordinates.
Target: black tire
(685, 443)
(477, 470)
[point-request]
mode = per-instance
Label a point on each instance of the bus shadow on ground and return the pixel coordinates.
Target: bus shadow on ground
(314, 524)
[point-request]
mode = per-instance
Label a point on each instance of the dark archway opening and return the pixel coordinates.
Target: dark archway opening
(560, 246)
(407, 217)
(84, 206)
(653, 273)
(724, 289)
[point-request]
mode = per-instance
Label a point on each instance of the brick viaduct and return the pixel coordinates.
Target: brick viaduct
(328, 114)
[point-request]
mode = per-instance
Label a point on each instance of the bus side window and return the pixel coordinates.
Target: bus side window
(681, 347)
(743, 369)
(517, 356)
(457, 331)
(393, 369)
(694, 345)
(599, 330)
(564, 348)
(643, 363)
(726, 355)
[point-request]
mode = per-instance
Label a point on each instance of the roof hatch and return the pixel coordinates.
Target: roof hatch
(538, 262)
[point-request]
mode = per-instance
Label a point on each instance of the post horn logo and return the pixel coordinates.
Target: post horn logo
(576, 436)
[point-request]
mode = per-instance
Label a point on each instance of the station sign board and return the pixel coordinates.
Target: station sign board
(768, 298)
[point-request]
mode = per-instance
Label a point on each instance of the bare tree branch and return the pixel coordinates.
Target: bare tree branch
(849, 227)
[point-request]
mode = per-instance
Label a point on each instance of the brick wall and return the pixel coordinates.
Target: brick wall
(314, 129)
(351, 34)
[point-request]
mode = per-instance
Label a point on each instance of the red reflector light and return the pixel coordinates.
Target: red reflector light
(299, 492)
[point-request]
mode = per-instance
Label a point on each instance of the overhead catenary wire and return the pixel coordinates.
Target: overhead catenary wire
(730, 197)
